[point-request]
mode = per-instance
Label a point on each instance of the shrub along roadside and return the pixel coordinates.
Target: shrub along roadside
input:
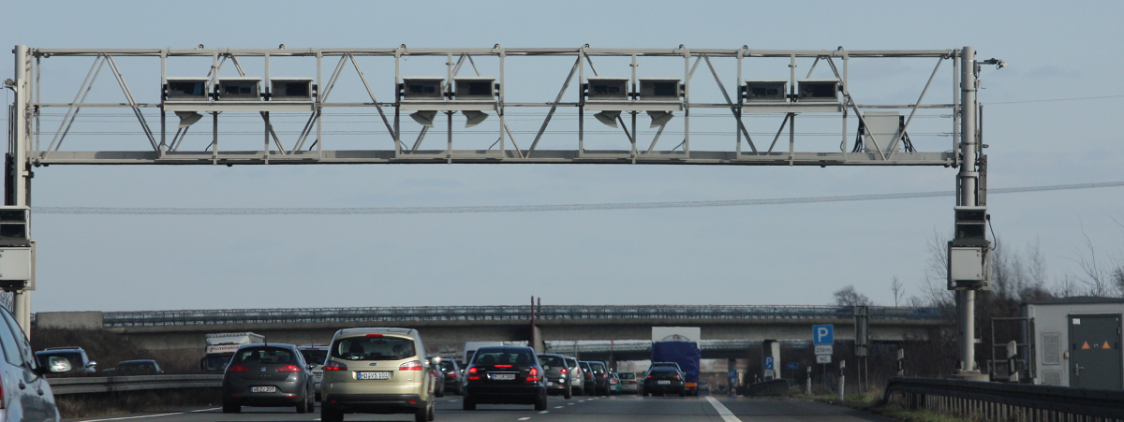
(871, 403)
(117, 403)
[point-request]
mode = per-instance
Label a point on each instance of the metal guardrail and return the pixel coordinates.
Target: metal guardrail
(63, 386)
(501, 313)
(1001, 401)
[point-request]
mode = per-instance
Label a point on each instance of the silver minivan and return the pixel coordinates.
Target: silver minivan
(23, 390)
(377, 370)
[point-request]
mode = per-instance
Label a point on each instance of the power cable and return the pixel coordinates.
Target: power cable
(541, 208)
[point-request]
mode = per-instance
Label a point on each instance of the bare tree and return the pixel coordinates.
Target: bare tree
(6, 300)
(847, 296)
(934, 287)
(1096, 276)
(898, 290)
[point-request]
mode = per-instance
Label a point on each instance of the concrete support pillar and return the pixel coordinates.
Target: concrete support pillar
(771, 357)
(732, 376)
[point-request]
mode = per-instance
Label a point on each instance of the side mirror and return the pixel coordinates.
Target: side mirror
(92, 364)
(57, 364)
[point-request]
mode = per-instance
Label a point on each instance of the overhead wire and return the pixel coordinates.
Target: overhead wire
(542, 208)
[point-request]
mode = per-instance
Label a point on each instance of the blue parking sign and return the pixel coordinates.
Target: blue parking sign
(823, 334)
(768, 362)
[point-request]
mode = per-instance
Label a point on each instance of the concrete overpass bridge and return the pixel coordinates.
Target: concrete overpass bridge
(446, 327)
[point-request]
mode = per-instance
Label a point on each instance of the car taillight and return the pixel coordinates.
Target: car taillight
(677, 377)
(289, 368)
(649, 377)
(451, 375)
(335, 366)
(374, 335)
(414, 365)
(237, 368)
(564, 371)
(533, 375)
(502, 366)
(472, 374)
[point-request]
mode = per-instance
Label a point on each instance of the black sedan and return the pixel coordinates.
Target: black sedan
(267, 375)
(662, 380)
(505, 375)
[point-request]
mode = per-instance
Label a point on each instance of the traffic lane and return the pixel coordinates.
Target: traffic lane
(593, 409)
(786, 409)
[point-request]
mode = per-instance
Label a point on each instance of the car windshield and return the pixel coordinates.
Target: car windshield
(263, 355)
(597, 369)
(504, 357)
(373, 348)
(136, 366)
(626, 376)
(315, 356)
(548, 361)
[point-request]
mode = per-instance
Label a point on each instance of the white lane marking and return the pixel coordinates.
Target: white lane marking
(557, 407)
(134, 417)
(726, 414)
(544, 412)
(205, 410)
(581, 401)
(525, 418)
(571, 404)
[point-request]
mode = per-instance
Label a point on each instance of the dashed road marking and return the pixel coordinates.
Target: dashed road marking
(544, 412)
(727, 415)
(525, 418)
(557, 407)
(134, 417)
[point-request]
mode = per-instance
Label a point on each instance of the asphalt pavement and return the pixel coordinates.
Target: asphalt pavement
(600, 409)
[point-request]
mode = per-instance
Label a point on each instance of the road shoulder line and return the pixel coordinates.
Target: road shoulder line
(725, 413)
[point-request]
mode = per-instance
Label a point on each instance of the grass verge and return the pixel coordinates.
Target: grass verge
(123, 402)
(871, 403)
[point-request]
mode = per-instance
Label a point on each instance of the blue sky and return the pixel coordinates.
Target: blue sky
(777, 254)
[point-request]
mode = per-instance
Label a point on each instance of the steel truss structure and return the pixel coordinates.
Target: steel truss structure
(163, 145)
(27, 147)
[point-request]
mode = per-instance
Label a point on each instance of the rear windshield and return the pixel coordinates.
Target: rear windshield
(597, 368)
(626, 376)
(314, 356)
(374, 348)
(571, 362)
(446, 366)
(552, 361)
(75, 358)
(503, 357)
(663, 369)
(263, 355)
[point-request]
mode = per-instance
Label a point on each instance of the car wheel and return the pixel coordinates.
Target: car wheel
(231, 407)
(422, 414)
(329, 414)
(567, 393)
(468, 404)
(440, 392)
(682, 393)
(431, 411)
(540, 403)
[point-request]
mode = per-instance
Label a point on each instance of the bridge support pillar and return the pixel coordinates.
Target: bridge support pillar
(771, 359)
(732, 370)
(537, 341)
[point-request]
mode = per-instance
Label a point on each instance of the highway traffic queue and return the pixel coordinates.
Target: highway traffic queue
(385, 370)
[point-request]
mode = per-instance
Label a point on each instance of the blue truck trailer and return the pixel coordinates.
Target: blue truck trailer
(684, 353)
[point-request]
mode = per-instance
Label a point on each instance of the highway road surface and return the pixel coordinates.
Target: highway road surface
(605, 409)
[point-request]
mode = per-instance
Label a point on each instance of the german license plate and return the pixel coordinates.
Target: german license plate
(373, 375)
(503, 377)
(550, 383)
(664, 382)
(263, 389)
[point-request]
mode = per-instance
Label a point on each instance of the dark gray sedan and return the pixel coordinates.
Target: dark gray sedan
(267, 375)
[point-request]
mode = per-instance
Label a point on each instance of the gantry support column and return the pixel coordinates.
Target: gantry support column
(18, 171)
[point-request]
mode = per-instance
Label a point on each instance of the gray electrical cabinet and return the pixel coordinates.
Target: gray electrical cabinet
(880, 130)
(1077, 342)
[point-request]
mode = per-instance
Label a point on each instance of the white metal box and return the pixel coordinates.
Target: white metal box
(474, 88)
(15, 264)
(290, 89)
(766, 90)
(239, 89)
(881, 128)
(422, 88)
(818, 90)
(186, 89)
(660, 89)
(607, 88)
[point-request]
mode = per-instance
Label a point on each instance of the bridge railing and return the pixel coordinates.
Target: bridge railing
(1002, 401)
(501, 313)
